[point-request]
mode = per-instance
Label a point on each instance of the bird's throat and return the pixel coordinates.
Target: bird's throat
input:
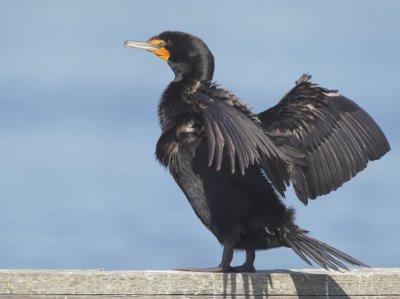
(200, 69)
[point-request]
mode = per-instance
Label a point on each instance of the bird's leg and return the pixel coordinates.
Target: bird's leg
(227, 256)
(248, 265)
(224, 266)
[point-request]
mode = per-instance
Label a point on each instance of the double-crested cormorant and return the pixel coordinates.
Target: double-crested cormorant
(233, 164)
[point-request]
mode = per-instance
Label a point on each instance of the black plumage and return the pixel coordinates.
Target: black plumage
(232, 164)
(337, 136)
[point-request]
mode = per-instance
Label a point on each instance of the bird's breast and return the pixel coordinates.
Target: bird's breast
(181, 138)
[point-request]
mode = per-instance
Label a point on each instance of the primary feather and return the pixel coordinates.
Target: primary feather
(337, 136)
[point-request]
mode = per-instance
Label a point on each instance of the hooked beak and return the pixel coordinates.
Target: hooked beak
(155, 46)
(140, 45)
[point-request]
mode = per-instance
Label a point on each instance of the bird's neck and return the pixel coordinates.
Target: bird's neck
(188, 78)
(175, 101)
(200, 68)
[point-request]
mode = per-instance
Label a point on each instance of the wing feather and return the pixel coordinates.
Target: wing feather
(232, 132)
(210, 140)
(337, 136)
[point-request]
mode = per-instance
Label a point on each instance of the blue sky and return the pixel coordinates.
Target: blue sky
(79, 185)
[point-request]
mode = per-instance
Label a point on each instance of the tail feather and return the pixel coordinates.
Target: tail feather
(308, 248)
(347, 258)
(326, 258)
(317, 255)
(297, 250)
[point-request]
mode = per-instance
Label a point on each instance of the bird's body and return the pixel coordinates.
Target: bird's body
(226, 203)
(233, 165)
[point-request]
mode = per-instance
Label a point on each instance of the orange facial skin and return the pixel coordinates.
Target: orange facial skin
(161, 52)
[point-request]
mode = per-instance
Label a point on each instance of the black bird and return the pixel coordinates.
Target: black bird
(233, 165)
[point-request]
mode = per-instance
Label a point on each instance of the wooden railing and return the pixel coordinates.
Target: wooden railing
(378, 283)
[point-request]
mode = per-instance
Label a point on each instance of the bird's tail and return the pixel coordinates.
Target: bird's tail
(323, 254)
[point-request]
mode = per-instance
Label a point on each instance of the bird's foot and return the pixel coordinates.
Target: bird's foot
(209, 270)
(245, 269)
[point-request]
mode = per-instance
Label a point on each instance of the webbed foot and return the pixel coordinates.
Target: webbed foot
(209, 270)
(245, 269)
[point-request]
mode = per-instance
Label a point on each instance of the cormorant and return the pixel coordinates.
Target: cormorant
(234, 165)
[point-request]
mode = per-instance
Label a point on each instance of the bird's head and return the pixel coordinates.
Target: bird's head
(187, 55)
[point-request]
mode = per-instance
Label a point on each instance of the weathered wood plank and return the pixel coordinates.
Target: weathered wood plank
(283, 283)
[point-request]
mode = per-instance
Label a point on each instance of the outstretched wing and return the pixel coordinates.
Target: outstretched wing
(232, 132)
(337, 136)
